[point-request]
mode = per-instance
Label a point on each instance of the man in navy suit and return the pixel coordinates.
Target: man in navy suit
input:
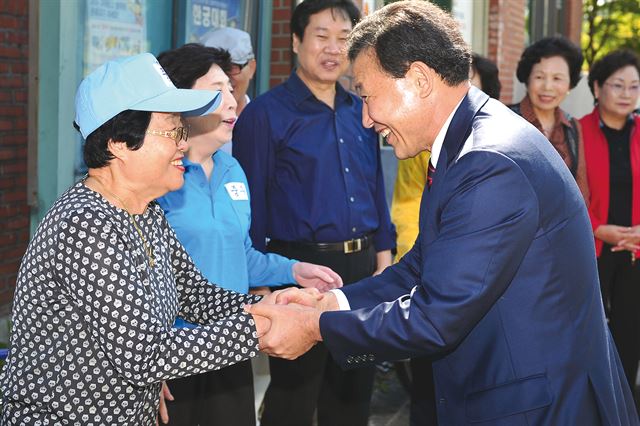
(501, 286)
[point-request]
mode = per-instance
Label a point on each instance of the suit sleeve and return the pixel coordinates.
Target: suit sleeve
(252, 147)
(487, 216)
(393, 283)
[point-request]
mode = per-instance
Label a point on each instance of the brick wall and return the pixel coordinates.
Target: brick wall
(281, 54)
(573, 20)
(14, 212)
(506, 40)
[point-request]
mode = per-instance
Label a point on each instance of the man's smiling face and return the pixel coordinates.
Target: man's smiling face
(392, 106)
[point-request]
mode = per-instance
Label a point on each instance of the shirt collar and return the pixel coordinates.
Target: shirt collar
(437, 143)
(219, 160)
(188, 164)
(301, 92)
(630, 120)
(526, 110)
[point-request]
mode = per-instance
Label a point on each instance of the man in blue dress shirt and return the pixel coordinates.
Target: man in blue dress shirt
(317, 195)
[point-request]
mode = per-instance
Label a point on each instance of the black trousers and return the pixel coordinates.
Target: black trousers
(315, 381)
(423, 395)
(620, 285)
(217, 398)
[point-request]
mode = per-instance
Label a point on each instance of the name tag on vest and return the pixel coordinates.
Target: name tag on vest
(237, 191)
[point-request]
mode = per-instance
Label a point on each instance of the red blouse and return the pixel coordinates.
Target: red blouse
(596, 152)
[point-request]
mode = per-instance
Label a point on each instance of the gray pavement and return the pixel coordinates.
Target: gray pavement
(389, 402)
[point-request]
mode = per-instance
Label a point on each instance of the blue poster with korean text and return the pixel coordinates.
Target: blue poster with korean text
(205, 15)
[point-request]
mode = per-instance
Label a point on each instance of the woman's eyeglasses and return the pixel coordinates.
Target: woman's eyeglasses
(178, 134)
(619, 88)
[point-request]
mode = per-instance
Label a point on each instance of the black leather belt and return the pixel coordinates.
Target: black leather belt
(350, 246)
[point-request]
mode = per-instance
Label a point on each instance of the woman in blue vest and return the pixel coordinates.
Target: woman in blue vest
(211, 215)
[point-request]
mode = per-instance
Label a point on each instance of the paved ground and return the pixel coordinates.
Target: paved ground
(390, 401)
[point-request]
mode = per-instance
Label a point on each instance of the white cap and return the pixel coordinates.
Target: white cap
(236, 41)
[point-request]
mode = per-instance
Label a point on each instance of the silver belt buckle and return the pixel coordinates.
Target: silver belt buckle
(352, 246)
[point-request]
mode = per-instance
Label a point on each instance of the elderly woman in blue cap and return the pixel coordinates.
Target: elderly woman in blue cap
(104, 276)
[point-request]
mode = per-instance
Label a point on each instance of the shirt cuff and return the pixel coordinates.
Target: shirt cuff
(343, 303)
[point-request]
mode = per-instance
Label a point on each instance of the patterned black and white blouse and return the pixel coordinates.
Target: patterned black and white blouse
(92, 321)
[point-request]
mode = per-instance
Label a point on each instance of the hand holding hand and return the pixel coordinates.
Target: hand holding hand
(631, 244)
(263, 324)
(294, 329)
(309, 297)
(613, 234)
(306, 296)
(619, 237)
(630, 241)
(317, 276)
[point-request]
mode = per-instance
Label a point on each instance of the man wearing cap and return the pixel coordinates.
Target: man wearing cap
(317, 194)
(104, 276)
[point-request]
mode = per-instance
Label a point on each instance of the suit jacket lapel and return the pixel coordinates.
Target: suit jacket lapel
(458, 132)
(460, 128)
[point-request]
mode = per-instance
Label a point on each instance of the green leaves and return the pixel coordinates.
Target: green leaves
(609, 25)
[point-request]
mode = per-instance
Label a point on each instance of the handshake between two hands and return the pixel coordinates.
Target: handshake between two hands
(288, 321)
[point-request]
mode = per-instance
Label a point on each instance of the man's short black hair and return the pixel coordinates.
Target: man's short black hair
(602, 69)
(188, 63)
(410, 31)
(302, 13)
(129, 127)
(547, 48)
(488, 72)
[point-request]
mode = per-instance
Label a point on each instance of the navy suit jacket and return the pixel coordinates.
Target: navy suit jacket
(500, 289)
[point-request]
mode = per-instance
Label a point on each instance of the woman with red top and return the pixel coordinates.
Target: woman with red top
(612, 154)
(550, 68)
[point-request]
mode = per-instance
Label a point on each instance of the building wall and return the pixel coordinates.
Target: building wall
(573, 20)
(506, 41)
(281, 54)
(14, 212)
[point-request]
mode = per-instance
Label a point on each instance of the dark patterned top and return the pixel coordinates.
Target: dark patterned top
(92, 321)
(566, 138)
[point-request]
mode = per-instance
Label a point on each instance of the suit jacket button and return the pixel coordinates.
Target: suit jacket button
(442, 401)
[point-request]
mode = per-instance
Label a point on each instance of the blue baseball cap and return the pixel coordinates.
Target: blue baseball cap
(135, 83)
